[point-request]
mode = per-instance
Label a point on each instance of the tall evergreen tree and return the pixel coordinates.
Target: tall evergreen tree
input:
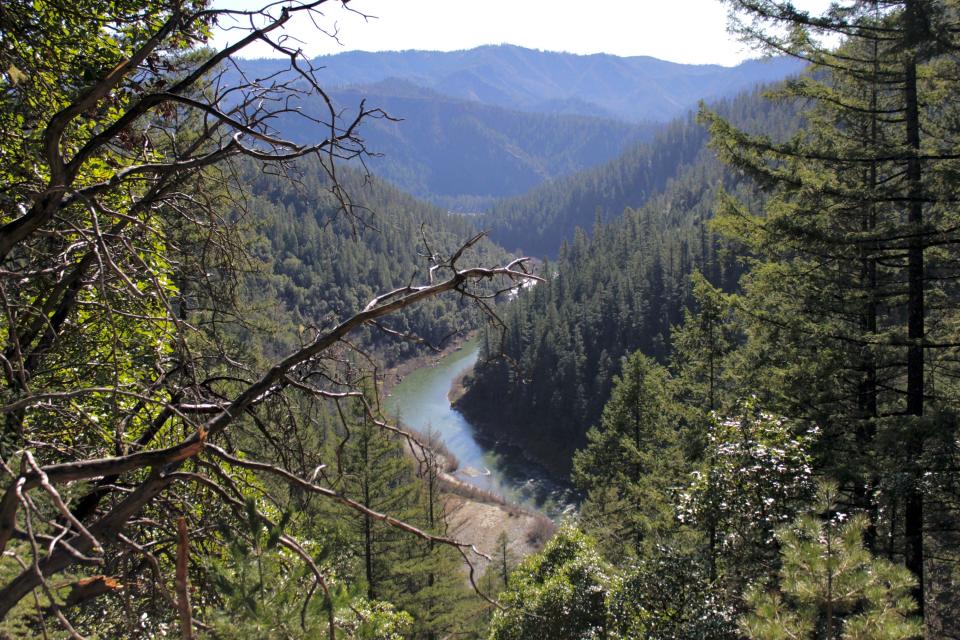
(701, 343)
(431, 581)
(701, 347)
(857, 240)
(631, 461)
(376, 473)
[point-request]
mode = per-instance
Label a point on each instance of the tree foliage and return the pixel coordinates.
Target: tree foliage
(622, 289)
(851, 295)
(137, 387)
(560, 592)
(830, 586)
(632, 462)
(842, 325)
(755, 475)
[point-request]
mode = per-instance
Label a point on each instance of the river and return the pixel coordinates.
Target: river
(421, 402)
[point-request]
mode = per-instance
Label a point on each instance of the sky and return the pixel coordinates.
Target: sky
(686, 31)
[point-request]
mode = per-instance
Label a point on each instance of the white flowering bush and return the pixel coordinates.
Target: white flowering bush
(755, 476)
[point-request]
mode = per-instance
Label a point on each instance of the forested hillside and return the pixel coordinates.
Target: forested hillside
(324, 265)
(616, 287)
(777, 456)
(464, 155)
(539, 221)
(742, 348)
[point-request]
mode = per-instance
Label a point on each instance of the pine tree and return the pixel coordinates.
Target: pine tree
(830, 586)
(428, 579)
(700, 344)
(504, 560)
(376, 473)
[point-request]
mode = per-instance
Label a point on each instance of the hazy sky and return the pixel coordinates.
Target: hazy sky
(690, 31)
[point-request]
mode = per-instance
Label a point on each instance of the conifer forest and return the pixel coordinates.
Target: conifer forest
(494, 343)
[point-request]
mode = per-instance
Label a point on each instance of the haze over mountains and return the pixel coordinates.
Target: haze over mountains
(465, 155)
(497, 121)
(656, 369)
(634, 89)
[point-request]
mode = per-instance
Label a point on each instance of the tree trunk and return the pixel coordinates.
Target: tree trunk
(182, 583)
(913, 513)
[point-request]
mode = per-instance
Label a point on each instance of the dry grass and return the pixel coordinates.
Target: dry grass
(540, 530)
(476, 494)
(449, 462)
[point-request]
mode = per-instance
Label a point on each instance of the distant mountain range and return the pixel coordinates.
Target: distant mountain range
(497, 121)
(634, 89)
(465, 155)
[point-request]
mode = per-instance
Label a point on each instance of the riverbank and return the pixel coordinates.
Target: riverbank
(480, 517)
(458, 388)
(475, 487)
(393, 376)
(482, 524)
(509, 437)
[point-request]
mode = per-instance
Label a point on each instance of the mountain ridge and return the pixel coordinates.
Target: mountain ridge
(464, 155)
(634, 88)
(497, 121)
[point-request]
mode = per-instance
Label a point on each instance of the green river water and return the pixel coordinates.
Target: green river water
(421, 402)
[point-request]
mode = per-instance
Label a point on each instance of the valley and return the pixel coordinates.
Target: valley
(491, 343)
